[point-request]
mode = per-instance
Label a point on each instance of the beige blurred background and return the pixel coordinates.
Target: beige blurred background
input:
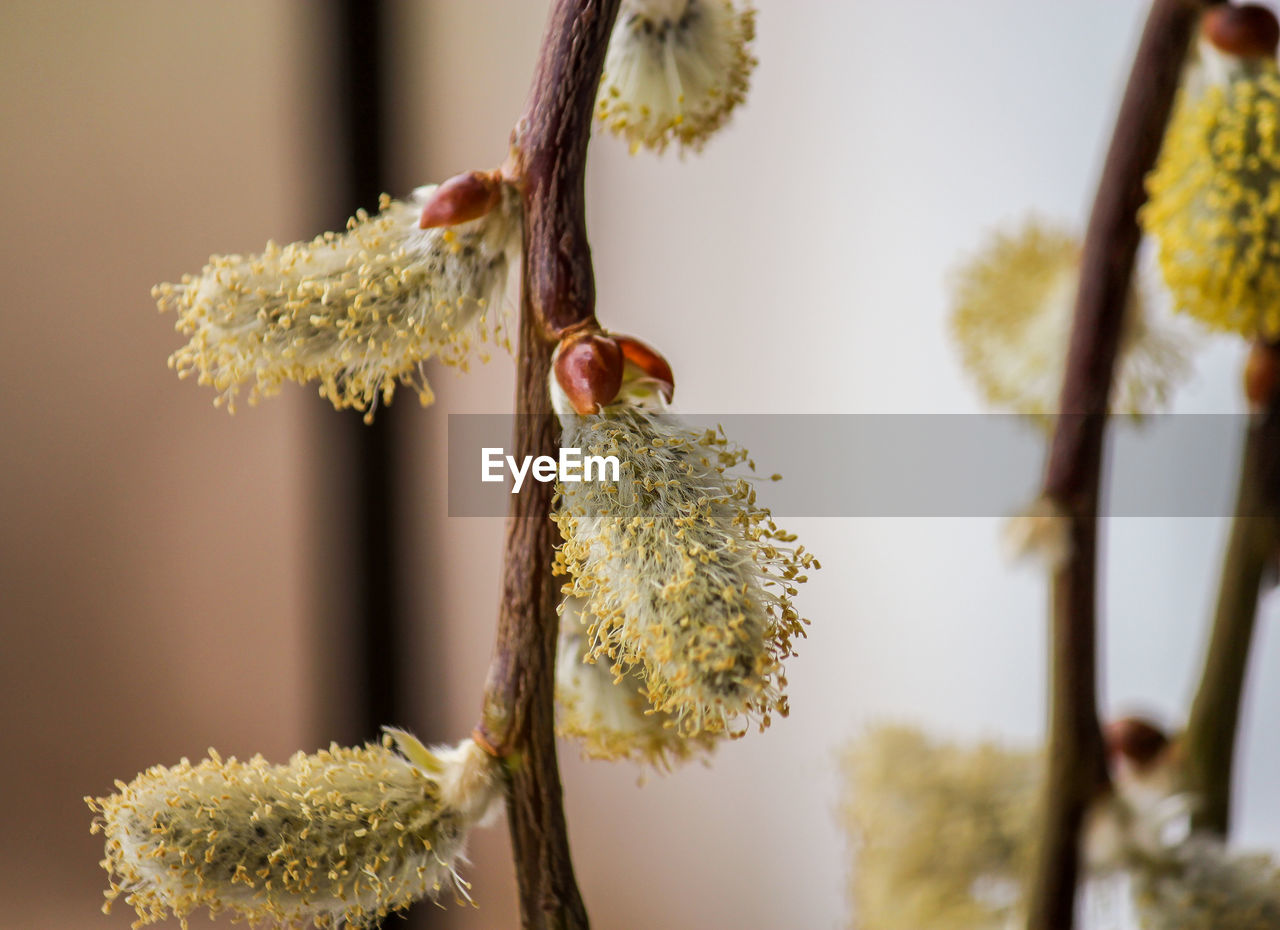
(163, 580)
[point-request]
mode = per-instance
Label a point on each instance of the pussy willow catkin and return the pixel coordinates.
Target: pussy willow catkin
(682, 575)
(1201, 885)
(605, 708)
(340, 836)
(1012, 309)
(675, 70)
(1214, 206)
(906, 793)
(356, 312)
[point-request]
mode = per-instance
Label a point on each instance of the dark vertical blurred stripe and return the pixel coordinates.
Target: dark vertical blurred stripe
(359, 55)
(363, 497)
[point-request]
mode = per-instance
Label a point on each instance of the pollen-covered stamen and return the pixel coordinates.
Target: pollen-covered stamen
(464, 197)
(1246, 31)
(588, 367)
(650, 361)
(605, 706)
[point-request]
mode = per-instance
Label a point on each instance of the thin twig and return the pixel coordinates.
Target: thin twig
(1077, 771)
(548, 162)
(1210, 740)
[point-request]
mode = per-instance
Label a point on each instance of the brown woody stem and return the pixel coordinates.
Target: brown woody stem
(548, 161)
(550, 158)
(1210, 739)
(1077, 770)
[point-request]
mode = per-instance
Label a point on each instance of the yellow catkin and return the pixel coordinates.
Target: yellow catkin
(339, 837)
(356, 313)
(604, 707)
(1215, 202)
(675, 71)
(942, 835)
(681, 574)
(1012, 309)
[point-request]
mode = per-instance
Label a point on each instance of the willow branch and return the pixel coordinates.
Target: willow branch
(550, 154)
(1077, 771)
(548, 162)
(1210, 739)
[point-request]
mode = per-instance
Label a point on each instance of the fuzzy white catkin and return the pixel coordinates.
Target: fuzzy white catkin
(681, 574)
(943, 833)
(675, 70)
(356, 312)
(1012, 308)
(604, 706)
(945, 836)
(1201, 885)
(340, 837)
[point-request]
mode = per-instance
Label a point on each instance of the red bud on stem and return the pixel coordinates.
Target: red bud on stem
(1246, 31)
(1138, 741)
(464, 197)
(650, 361)
(588, 368)
(1261, 375)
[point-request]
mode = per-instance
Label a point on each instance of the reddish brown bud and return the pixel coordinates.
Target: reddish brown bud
(650, 361)
(1137, 740)
(1261, 375)
(589, 370)
(1247, 31)
(464, 197)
